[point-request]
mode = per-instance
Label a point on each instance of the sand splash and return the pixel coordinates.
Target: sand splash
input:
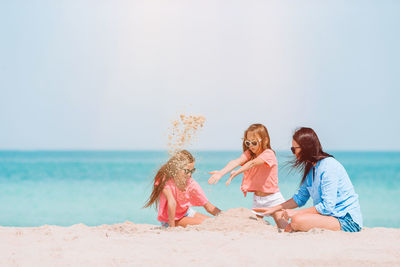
(183, 131)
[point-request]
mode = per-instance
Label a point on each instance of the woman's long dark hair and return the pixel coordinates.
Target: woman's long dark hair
(311, 150)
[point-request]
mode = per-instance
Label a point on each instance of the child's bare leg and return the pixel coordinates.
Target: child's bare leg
(197, 219)
(201, 215)
(281, 223)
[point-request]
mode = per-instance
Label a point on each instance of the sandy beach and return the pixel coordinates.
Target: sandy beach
(235, 238)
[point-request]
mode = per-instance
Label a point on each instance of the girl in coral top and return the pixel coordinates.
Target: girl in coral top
(260, 171)
(175, 191)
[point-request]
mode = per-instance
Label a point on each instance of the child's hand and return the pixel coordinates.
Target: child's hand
(216, 175)
(233, 174)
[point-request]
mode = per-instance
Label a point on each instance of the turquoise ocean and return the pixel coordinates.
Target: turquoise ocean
(107, 187)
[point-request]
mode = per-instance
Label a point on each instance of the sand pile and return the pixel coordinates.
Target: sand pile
(239, 219)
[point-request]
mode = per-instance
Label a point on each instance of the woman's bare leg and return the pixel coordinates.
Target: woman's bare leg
(197, 219)
(305, 222)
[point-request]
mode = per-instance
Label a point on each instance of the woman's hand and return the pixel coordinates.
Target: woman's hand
(233, 174)
(216, 176)
(289, 213)
(266, 212)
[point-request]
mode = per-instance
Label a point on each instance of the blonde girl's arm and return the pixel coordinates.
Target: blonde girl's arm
(250, 164)
(171, 206)
(210, 208)
(217, 175)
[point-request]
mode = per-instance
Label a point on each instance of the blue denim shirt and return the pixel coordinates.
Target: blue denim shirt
(331, 191)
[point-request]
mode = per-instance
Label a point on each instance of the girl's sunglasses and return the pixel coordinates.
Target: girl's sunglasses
(293, 148)
(250, 143)
(187, 171)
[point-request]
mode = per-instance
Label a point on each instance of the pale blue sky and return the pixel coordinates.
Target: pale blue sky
(114, 74)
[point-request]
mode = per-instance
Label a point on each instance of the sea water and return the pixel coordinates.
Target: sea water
(107, 187)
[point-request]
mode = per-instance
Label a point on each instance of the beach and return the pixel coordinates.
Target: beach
(235, 237)
(117, 115)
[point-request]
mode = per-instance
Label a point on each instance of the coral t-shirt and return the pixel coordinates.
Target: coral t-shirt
(193, 195)
(263, 177)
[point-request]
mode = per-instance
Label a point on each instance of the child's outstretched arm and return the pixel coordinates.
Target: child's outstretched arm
(210, 208)
(217, 175)
(171, 206)
(250, 164)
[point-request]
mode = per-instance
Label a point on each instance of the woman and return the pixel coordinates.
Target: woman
(325, 180)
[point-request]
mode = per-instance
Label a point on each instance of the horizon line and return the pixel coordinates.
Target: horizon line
(164, 150)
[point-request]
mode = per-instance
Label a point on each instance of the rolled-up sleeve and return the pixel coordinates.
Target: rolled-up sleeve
(329, 187)
(268, 156)
(302, 195)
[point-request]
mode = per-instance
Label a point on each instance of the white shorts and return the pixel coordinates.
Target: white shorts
(190, 213)
(267, 201)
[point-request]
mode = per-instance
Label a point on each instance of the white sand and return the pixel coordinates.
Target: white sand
(235, 238)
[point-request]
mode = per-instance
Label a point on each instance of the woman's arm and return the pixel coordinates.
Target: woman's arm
(217, 175)
(289, 204)
(210, 208)
(250, 164)
(171, 206)
(329, 184)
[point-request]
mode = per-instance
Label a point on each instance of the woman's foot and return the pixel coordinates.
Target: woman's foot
(289, 228)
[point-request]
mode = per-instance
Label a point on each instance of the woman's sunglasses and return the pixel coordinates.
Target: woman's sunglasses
(293, 148)
(250, 143)
(187, 171)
